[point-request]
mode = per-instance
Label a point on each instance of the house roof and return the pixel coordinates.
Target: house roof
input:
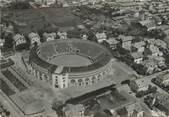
(139, 44)
(32, 34)
(135, 106)
(150, 63)
(112, 41)
(158, 58)
(151, 41)
(125, 38)
(101, 35)
(145, 22)
(165, 77)
(77, 108)
(148, 23)
(153, 48)
(137, 55)
(18, 36)
(164, 100)
(141, 82)
(160, 43)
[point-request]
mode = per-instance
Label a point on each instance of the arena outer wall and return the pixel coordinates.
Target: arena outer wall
(64, 76)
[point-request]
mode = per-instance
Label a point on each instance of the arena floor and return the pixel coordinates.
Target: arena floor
(70, 60)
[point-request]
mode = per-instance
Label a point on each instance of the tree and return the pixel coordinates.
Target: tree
(20, 5)
(8, 45)
(7, 113)
(58, 107)
(149, 87)
(140, 94)
(148, 100)
(133, 49)
(125, 82)
(167, 59)
(153, 89)
(139, 68)
(107, 45)
(122, 112)
(22, 46)
(136, 29)
(156, 33)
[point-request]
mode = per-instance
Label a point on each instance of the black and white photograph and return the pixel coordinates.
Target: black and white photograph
(84, 58)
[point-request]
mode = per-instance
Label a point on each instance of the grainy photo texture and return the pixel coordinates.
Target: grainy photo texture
(84, 58)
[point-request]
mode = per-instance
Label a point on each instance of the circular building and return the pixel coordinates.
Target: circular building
(71, 62)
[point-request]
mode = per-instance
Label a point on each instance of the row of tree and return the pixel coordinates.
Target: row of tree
(151, 89)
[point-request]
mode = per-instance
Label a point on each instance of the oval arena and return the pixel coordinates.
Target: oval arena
(71, 62)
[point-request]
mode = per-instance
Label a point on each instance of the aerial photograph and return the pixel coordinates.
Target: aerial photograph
(84, 58)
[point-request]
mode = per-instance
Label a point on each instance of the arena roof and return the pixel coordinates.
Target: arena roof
(99, 55)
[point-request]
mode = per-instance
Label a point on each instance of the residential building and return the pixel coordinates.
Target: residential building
(163, 102)
(126, 41)
(160, 43)
(49, 36)
(164, 79)
(158, 20)
(150, 24)
(113, 43)
(139, 85)
(160, 60)
(74, 110)
(157, 113)
(134, 108)
(150, 40)
(140, 46)
(155, 51)
(5, 3)
(101, 36)
(34, 37)
(45, 3)
(19, 39)
(138, 57)
(151, 65)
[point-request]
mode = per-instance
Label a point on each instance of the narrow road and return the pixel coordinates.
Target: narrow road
(150, 77)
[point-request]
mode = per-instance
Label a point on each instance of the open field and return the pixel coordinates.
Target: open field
(35, 20)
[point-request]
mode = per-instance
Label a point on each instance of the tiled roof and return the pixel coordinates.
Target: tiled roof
(125, 38)
(137, 55)
(112, 41)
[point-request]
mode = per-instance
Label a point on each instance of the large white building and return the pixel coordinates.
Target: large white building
(70, 62)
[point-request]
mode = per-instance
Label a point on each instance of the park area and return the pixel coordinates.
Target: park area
(48, 19)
